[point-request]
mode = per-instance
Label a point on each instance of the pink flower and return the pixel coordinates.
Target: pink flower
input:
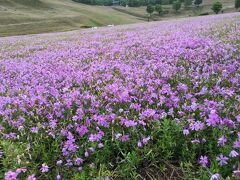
(222, 160)
(34, 130)
(44, 168)
(236, 144)
(82, 130)
(145, 140)
(213, 119)
(237, 173)
(59, 177)
(10, 175)
(222, 140)
(215, 177)
(78, 161)
(125, 138)
(238, 118)
(197, 126)
(203, 161)
(86, 154)
(79, 169)
(233, 153)
(139, 144)
(31, 177)
(185, 132)
(59, 162)
(100, 145)
(20, 170)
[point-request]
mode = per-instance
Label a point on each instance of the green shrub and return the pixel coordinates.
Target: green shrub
(237, 4)
(158, 9)
(197, 2)
(216, 7)
(176, 5)
(187, 3)
(204, 14)
(150, 9)
(166, 11)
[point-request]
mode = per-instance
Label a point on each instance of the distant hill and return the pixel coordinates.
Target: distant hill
(204, 8)
(38, 16)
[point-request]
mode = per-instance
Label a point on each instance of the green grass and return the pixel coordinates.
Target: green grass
(18, 17)
(228, 6)
(37, 16)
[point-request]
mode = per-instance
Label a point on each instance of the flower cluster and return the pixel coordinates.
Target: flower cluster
(73, 95)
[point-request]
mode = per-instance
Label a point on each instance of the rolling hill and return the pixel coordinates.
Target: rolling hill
(228, 6)
(18, 17)
(28, 16)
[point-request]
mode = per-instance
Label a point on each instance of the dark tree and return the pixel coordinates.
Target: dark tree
(158, 1)
(158, 9)
(197, 2)
(164, 2)
(187, 3)
(150, 10)
(176, 5)
(216, 7)
(237, 4)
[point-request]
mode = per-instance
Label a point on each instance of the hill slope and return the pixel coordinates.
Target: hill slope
(37, 16)
(205, 7)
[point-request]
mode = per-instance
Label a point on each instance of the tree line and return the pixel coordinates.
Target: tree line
(134, 3)
(176, 4)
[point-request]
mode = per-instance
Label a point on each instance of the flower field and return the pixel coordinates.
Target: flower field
(154, 100)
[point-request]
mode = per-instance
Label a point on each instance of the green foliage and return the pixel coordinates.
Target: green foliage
(187, 3)
(237, 4)
(95, 2)
(158, 9)
(204, 14)
(32, 3)
(158, 1)
(167, 148)
(216, 7)
(176, 5)
(165, 11)
(124, 2)
(197, 2)
(136, 3)
(130, 3)
(164, 2)
(42, 150)
(150, 9)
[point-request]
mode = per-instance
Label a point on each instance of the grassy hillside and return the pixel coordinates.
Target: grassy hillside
(37, 16)
(228, 6)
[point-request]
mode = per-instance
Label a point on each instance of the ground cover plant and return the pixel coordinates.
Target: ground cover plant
(155, 100)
